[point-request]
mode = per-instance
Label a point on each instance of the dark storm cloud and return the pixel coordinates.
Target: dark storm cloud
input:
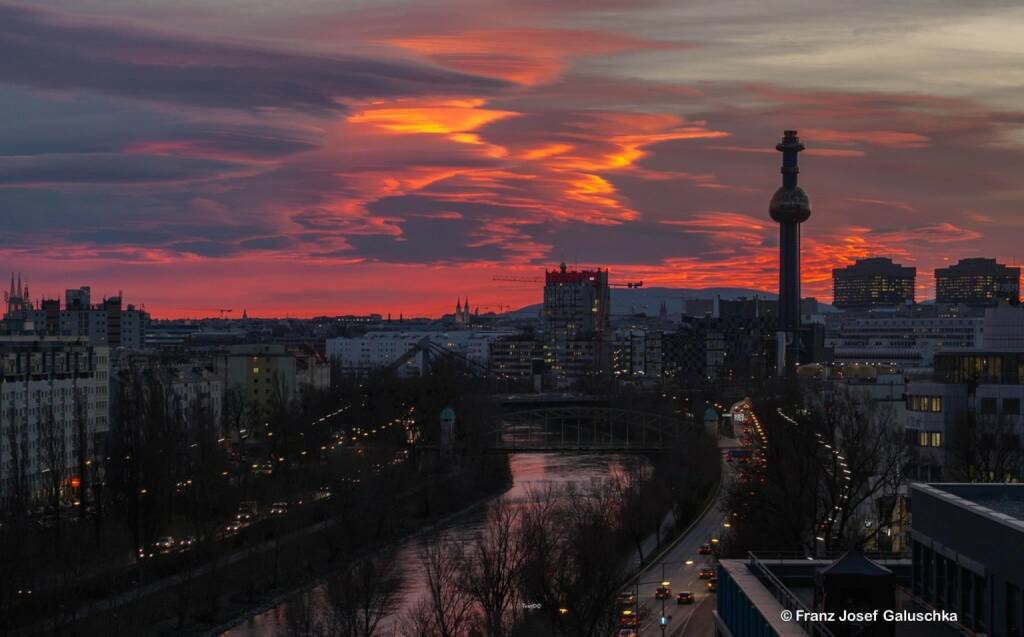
(43, 50)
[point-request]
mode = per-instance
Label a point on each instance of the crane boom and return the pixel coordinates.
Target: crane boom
(537, 279)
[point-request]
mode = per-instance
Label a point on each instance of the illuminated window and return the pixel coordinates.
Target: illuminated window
(936, 439)
(255, 370)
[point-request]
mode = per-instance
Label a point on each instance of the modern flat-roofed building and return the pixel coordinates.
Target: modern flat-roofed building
(905, 340)
(967, 544)
(768, 595)
(874, 282)
(969, 410)
(978, 282)
(54, 404)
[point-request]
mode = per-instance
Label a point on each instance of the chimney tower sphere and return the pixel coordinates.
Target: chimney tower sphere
(790, 204)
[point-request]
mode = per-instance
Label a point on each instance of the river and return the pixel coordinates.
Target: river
(529, 471)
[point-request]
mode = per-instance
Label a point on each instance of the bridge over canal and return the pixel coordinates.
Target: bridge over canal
(584, 428)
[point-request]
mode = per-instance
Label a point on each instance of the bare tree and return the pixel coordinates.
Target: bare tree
(863, 455)
(301, 615)
(493, 568)
(985, 448)
(573, 567)
(360, 598)
(447, 610)
(641, 510)
(830, 468)
(53, 445)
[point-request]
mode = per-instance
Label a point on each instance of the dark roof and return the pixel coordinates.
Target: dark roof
(855, 563)
(875, 266)
(977, 265)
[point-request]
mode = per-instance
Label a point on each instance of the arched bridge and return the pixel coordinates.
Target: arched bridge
(585, 428)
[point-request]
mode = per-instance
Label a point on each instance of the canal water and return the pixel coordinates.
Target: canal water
(530, 471)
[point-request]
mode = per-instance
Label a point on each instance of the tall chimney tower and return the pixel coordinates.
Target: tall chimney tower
(789, 207)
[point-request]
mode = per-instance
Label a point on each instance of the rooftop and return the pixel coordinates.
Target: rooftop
(1005, 499)
(875, 266)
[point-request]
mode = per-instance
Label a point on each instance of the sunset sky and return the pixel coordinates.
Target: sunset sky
(309, 157)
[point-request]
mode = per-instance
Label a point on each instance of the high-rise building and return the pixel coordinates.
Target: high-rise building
(873, 282)
(978, 282)
(790, 206)
(577, 321)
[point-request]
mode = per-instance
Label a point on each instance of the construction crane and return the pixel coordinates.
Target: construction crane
(537, 279)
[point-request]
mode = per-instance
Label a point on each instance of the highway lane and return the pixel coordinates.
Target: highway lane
(681, 565)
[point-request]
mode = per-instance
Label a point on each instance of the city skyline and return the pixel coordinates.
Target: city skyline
(391, 157)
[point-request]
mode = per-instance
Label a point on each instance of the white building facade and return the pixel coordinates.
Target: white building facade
(53, 404)
(360, 355)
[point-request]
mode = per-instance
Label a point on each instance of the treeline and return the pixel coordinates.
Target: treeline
(832, 474)
(172, 469)
(549, 564)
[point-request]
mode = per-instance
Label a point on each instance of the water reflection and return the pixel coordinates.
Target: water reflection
(530, 471)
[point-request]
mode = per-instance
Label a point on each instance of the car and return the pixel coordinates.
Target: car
(628, 618)
(231, 528)
(713, 586)
(685, 597)
(664, 591)
(264, 468)
(322, 494)
(626, 599)
(705, 549)
(626, 632)
(279, 508)
(246, 512)
(186, 542)
(706, 573)
(164, 545)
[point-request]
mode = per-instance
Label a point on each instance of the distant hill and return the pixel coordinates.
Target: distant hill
(649, 300)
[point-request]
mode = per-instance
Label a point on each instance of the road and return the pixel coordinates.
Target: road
(680, 565)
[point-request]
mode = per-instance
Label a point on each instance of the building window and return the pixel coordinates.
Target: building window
(936, 439)
(988, 406)
(1011, 406)
(924, 403)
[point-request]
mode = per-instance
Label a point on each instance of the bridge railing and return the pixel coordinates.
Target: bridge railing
(585, 428)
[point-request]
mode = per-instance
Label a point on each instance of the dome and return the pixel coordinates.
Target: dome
(790, 205)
